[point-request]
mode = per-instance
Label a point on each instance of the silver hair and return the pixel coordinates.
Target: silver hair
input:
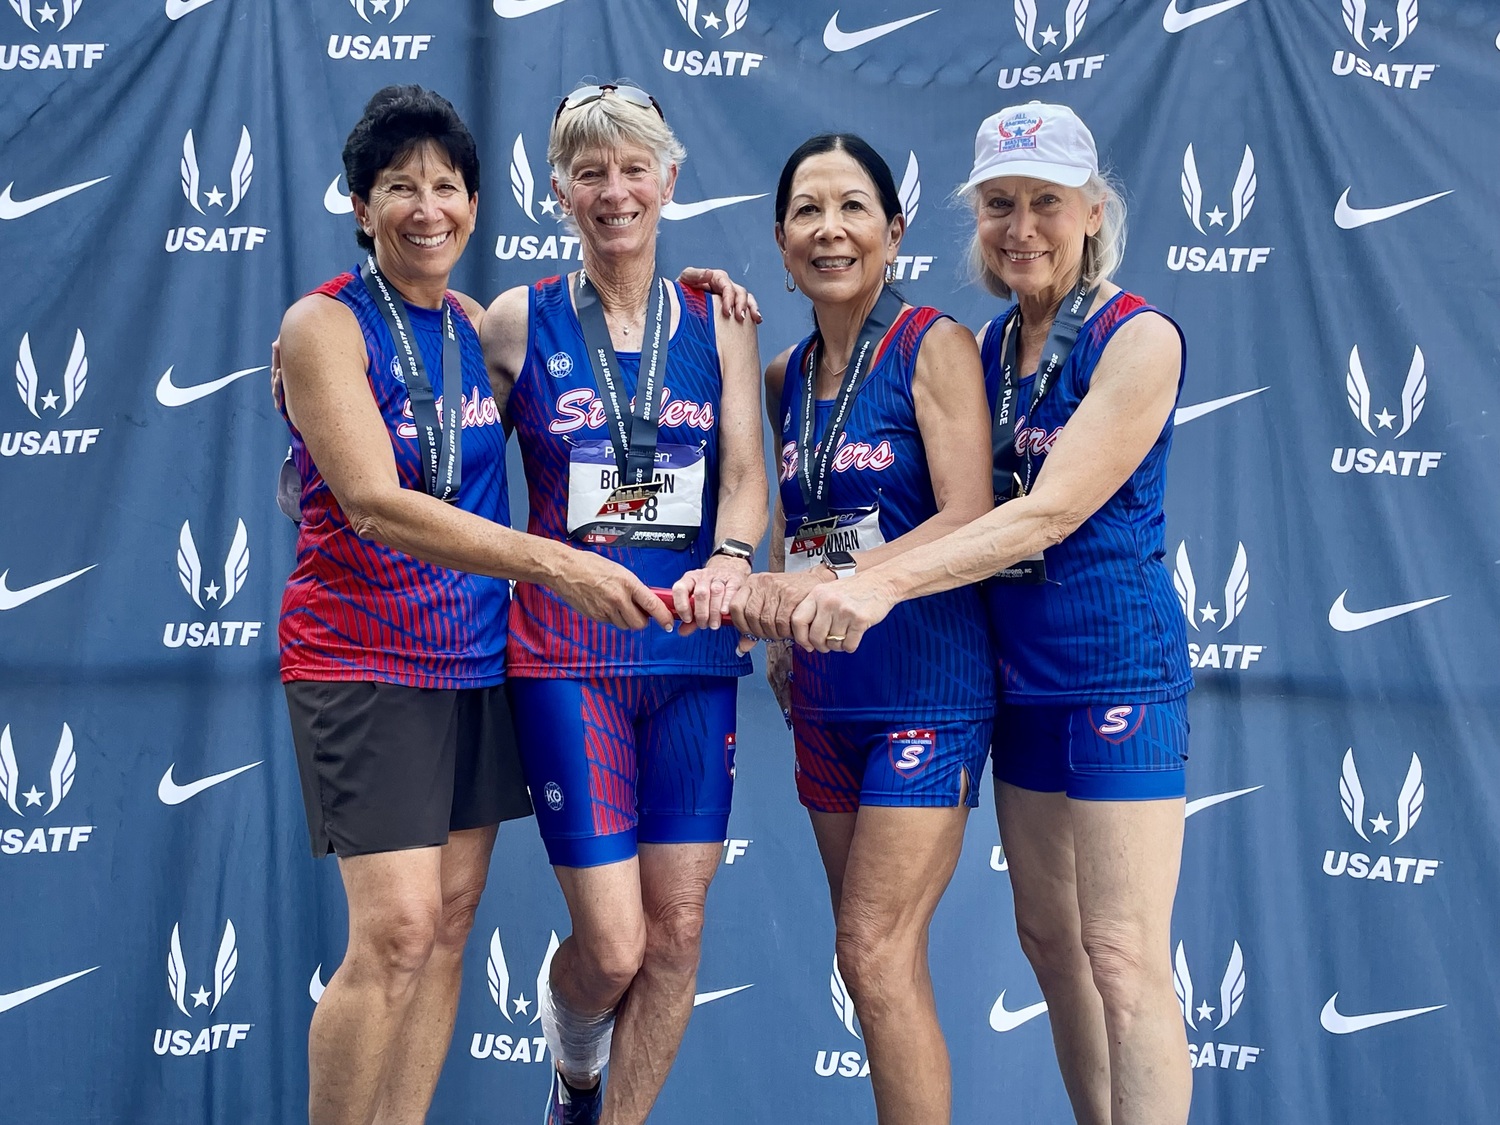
(609, 123)
(1102, 252)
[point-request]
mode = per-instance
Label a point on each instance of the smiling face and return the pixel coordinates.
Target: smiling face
(1032, 232)
(420, 215)
(615, 196)
(835, 238)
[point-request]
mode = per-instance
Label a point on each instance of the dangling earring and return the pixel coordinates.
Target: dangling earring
(890, 273)
(791, 286)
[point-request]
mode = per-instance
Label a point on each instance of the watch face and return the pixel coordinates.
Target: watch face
(839, 560)
(735, 549)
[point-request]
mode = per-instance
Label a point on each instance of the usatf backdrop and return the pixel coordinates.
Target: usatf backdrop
(1312, 192)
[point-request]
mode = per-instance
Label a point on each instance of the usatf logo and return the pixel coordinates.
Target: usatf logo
(1218, 259)
(550, 243)
(181, 1041)
(843, 1064)
(515, 1045)
(47, 18)
(1045, 41)
(735, 849)
(910, 194)
(190, 573)
(49, 838)
(220, 238)
(706, 23)
(1201, 1016)
(1392, 462)
(911, 751)
(1383, 868)
(1384, 38)
(47, 405)
(362, 48)
(1209, 618)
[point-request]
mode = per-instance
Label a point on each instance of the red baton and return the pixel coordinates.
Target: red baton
(666, 599)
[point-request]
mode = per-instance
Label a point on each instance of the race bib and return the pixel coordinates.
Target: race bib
(845, 531)
(665, 512)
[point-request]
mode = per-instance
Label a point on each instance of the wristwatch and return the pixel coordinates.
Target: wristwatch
(841, 563)
(734, 549)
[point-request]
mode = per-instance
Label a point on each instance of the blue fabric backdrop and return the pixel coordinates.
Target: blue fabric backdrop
(1312, 195)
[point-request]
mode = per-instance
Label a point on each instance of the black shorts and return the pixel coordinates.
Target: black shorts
(386, 767)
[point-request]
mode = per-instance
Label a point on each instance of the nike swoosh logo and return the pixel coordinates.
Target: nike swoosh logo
(1339, 1024)
(1188, 413)
(836, 40)
(1003, 1021)
(1350, 217)
(15, 208)
(1201, 803)
(10, 599)
(336, 202)
(171, 793)
(710, 997)
(1174, 21)
(1349, 621)
(176, 9)
(676, 210)
(9, 1000)
(169, 393)
(515, 9)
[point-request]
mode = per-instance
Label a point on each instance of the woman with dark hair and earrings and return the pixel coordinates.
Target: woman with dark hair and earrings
(884, 446)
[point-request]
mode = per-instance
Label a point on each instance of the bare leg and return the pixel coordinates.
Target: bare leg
(417, 1059)
(882, 917)
(395, 902)
(596, 964)
(1127, 855)
(1037, 831)
(654, 1013)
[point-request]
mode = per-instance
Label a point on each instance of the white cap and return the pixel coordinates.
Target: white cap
(1044, 142)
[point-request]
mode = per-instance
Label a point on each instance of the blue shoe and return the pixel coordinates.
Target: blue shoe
(567, 1106)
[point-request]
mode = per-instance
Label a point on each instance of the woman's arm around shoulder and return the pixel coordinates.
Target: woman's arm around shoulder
(504, 334)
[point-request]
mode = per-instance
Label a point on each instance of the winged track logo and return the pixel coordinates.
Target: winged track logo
(551, 242)
(710, 26)
(190, 574)
(1206, 617)
(48, 405)
(836, 1062)
(224, 239)
(180, 1041)
(1218, 259)
(384, 47)
(1386, 867)
(519, 1043)
(1381, 39)
(1389, 462)
(51, 17)
(1202, 1016)
(911, 266)
(1044, 41)
(28, 802)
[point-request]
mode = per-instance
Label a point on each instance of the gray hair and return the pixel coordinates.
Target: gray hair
(1102, 252)
(609, 123)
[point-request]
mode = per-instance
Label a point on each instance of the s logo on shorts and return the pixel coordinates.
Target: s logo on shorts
(910, 751)
(1118, 724)
(553, 793)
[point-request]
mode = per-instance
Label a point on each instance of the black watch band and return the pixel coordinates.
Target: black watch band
(735, 549)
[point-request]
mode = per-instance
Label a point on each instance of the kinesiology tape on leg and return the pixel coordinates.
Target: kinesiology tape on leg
(579, 1043)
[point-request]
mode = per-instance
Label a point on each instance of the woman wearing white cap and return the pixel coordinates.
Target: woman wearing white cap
(1091, 727)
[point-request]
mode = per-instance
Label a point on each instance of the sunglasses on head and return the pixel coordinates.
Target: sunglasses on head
(586, 94)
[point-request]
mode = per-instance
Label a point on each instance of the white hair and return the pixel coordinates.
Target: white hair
(1102, 252)
(608, 123)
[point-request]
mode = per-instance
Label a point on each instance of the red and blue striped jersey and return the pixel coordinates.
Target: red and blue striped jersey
(930, 657)
(554, 405)
(1105, 626)
(357, 610)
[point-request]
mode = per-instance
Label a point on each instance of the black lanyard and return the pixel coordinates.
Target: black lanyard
(635, 443)
(440, 440)
(1066, 324)
(813, 464)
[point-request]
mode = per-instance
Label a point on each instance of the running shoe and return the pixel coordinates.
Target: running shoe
(567, 1106)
